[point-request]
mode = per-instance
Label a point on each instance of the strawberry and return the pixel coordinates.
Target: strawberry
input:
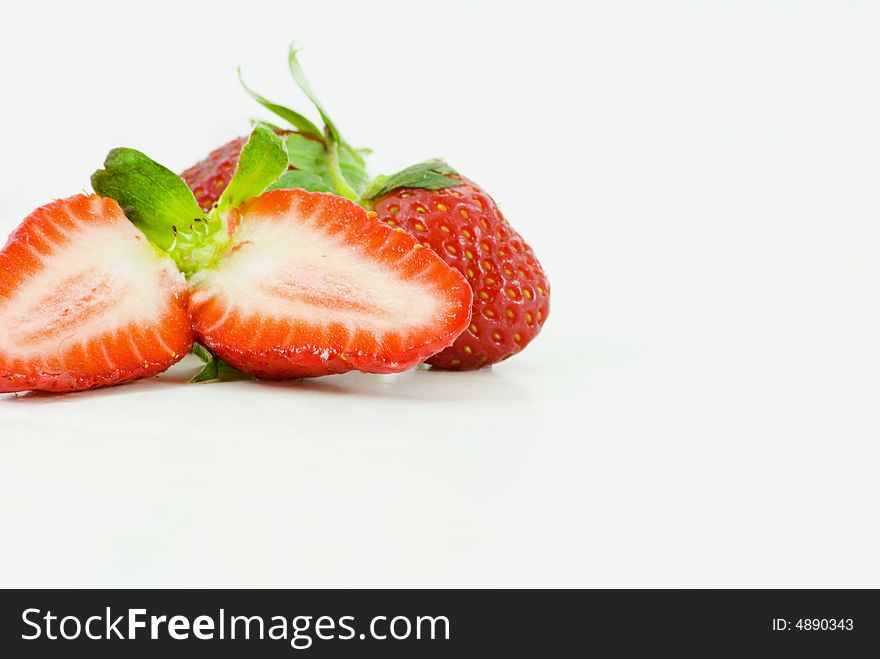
(86, 301)
(290, 283)
(311, 285)
(445, 212)
(463, 224)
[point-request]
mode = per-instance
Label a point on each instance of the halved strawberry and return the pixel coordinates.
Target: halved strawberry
(86, 301)
(313, 285)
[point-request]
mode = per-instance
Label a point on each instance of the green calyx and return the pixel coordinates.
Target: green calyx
(429, 175)
(322, 153)
(322, 161)
(214, 369)
(153, 197)
(160, 204)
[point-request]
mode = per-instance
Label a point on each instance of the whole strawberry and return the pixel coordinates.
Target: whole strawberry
(465, 227)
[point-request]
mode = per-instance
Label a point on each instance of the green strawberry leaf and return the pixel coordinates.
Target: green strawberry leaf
(263, 159)
(299, 77)
(294, 118)
(260, 122)
(296, 178)
(323, 154)
(306, 154)
(215, 370)
(430, 175)
(209, 370)
(155, 199)
(345, 167)
(353, 168)
(357, 155)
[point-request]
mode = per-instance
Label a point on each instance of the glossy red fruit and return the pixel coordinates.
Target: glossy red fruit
(314, 285)
(86, 301)
(466, 228)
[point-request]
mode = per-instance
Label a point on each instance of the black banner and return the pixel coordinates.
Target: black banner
(439, 623)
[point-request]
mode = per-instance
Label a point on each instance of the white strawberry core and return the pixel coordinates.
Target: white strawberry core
(292, 270)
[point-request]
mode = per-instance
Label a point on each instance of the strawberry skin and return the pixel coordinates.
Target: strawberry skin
(314, 285)
(465, 227)
(86, 301)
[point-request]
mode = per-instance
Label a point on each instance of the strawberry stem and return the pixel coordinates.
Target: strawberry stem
(339, 166)
(299, 77)
(295, 119)
(333, 140)
(337, 178)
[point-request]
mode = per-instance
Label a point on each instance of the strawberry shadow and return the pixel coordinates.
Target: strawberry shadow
(413, 385)
(52, 398)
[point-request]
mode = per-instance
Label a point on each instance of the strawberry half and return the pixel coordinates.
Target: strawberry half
(311, 285)
(86, 301)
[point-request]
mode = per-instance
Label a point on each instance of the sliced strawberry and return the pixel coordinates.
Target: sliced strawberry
(313, 285)
(86, 301)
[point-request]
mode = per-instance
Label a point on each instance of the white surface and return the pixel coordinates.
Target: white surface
(700, 181)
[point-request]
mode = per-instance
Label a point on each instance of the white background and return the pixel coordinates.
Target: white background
(700, 180)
